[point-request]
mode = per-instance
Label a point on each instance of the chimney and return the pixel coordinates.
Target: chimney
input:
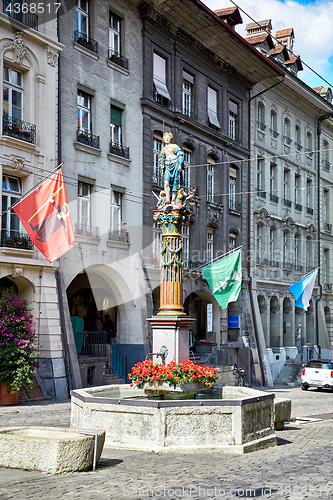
(286, 37)
(259, 27)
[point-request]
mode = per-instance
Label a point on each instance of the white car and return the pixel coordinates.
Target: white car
(317, 373)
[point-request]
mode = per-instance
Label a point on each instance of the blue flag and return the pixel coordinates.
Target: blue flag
(302, 290)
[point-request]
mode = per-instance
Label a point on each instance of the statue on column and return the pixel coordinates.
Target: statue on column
(171, 164)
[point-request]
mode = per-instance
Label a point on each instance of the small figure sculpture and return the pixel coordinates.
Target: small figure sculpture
(171, 164)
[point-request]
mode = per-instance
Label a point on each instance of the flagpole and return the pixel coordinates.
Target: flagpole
(307, 274)
(33, 188)
(217, 258)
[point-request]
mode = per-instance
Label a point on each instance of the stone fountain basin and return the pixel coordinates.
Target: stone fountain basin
(50, 449)
(240, 421)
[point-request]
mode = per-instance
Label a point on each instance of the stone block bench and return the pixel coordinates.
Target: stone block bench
(50, 449)
(282, 412)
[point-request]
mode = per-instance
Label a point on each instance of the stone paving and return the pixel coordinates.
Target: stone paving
(300, 467)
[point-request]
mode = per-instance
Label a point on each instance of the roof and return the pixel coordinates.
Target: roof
(297, 60)
(284, 33)
(259, 24)
(230, 14)
(225, 12)
(260, 38)
(278, 49)
(317, 89)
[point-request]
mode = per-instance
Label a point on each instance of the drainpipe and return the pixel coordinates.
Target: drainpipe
(59, 94)
(320, 119)
(249, 236)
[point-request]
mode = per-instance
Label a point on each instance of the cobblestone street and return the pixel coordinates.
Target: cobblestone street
(300, 467)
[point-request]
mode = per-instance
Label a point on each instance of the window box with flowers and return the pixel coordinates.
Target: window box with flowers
(18, 347)
(119, 150)
(174, 380)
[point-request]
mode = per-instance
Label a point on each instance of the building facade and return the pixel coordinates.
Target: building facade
(29, 52)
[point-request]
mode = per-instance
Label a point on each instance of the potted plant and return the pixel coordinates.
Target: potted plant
(18, 348)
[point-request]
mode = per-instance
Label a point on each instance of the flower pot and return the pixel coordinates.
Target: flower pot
(89, 233)
(7, 399)
(79, 231)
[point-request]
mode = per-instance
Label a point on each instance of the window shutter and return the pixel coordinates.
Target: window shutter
(116, 115)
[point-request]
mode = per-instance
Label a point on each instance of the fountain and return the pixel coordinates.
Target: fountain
(221, 419)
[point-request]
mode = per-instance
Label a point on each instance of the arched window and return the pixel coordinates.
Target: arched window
(210, 178)
(286, 250)
(326, 156)
(260, 244)
(286, 132)
(273, 124)
(272, 247)
(297, 252)
(261, 117)
(309, 144)
(298, 139)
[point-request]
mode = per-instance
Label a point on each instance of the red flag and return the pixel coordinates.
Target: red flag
(45, 216)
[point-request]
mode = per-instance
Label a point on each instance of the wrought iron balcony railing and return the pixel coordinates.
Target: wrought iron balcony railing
(261, 126)
(87, 138)
(309, 211)
(274, 263)
(19, 129)
(298, 207)
(260, 193)
(309, 152)
(86, 230)
(298, 147)
(274, 198)
(119, 235)
(160, 99)
(262, 262)
(287, 265)
(15, 11)
(274, 133)
(287, 140)
(214, 198)
(119, 150)
(326, 164)
(118, 59)
(15, 239)
(235, 205)
(328, 287)
(84, 39)
(286, 202)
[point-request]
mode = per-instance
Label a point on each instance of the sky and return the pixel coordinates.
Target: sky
(312, 23)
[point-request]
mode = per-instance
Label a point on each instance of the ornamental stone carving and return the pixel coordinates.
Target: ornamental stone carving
(262, 215)
(18, 46)
(18, 164)
(288, 223)
(213, 152)
(16, 272)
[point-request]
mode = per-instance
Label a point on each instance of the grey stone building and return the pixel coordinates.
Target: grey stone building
(197, 77)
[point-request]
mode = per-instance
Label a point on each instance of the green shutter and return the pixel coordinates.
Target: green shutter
(116, 115)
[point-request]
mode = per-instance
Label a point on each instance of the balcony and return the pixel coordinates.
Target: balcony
(287, 203)
(161, 100)
(88, 139)
(84, 39)
(326, 165)
(86, 230)
(15, 239)
(298, 207)
(235, 206)
(309, 152)
(26, 18)
(119, 235)
(118, 59)
(274, 133)
(13, 127)
(274, 198)
(287, 140)
(327, 227)
(119, 150)
(274, 263)
(298, 147)
(309, 211)
(260, 193)
(261, 126)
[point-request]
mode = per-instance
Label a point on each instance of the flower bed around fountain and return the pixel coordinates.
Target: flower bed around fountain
(239, 421)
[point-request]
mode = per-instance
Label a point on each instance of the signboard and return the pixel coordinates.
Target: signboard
(209, 317)
(233, 321)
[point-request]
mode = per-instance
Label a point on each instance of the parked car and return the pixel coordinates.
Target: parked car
(317, 373)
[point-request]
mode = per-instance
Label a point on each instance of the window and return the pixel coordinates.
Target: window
(84, 193)
(115, 125)
(210, 244)
(309, 193)
(116, 212)
(114, 35)
(286, 132)
(260, 167)
(325, 206)
(157, 241)
(232, 241)
(188, 82)
(261, 117)
(12, 94)
(297, 252)
(272, 246)
(83, 112)
(309, 144)
(157, 148)
(160, 82)
(286, 247)
(273, 128)
(286, 174)
(232, 188)
(212, 108)
(82, 21)
(11, 194)
(259, 242)
(272, 183)
(186, 243)
(308, 251)
(186, 173)
(210, 179)
(325, 265)
(326, 156)
(297, 188)
(298, 141)
(233, 120)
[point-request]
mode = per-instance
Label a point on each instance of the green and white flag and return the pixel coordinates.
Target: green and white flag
(225, 278)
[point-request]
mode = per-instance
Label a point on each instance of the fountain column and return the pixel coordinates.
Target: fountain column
(171, 324)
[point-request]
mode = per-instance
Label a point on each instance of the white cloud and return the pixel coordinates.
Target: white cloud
(312, 25)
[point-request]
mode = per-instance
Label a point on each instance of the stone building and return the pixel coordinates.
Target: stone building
(101, 146)
(291, 138)
(198, 74)
(29, 151)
